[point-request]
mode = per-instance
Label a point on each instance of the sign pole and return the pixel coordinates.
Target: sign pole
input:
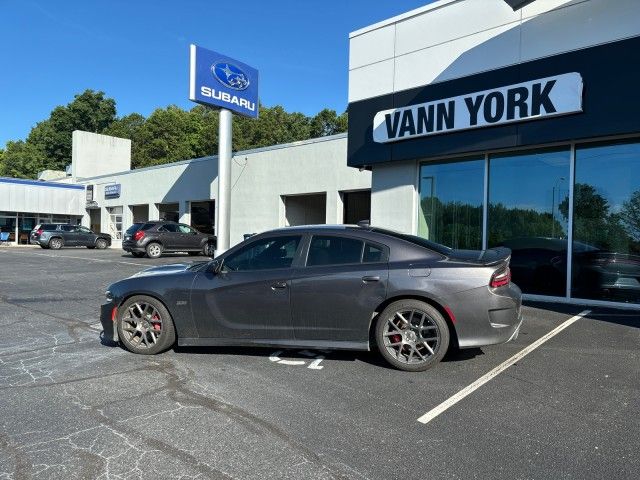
(224, 180)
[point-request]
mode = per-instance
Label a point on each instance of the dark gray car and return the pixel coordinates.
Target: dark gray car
(334, 287)
(153, 238)
(58, 235)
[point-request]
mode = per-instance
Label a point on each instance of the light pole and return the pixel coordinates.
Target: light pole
(553, 205)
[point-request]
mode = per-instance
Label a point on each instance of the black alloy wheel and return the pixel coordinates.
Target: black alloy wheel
(412, 335)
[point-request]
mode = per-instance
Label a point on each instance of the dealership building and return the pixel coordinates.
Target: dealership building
(473, 123)
(487, 125)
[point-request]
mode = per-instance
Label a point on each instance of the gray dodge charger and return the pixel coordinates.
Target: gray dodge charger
(333, 287)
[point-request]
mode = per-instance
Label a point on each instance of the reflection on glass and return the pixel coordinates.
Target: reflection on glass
(606, 232)
(451, 198)
(528, 212)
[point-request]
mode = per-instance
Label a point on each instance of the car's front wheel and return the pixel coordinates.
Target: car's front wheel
(101, 244)
(209, 249)
(145, 325)
(154, 250)
(412, 335)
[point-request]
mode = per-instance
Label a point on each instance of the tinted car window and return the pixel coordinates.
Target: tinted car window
(147, 226)
(67, 228)
(49, 226)
(134, 228)
(373, 253)
(326, 250)
(267, 253)
(169, 227)
(83, 229)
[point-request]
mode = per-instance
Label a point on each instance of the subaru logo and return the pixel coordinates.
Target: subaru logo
(230, 75)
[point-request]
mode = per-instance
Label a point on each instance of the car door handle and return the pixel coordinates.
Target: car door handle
(279, 285)
(370, 278)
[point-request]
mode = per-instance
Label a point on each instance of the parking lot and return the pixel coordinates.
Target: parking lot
(73, 406)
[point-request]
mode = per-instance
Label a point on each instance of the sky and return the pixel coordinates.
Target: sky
(137, 51)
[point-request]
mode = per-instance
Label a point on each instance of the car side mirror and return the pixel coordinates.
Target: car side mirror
(216, 267)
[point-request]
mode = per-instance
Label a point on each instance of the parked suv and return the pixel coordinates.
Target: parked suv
(155, 237)
(58, 235)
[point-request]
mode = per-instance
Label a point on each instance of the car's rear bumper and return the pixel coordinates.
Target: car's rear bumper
(107, 321)
(486, 316)
(129, 246)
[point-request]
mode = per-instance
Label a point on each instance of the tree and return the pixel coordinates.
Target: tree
(327, 122)
(630, 216)
(89, 111)
(22, 160)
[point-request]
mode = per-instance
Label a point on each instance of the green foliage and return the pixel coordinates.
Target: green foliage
(22, 159)
(167, 135)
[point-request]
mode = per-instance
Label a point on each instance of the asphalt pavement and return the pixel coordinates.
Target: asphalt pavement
(72, 405)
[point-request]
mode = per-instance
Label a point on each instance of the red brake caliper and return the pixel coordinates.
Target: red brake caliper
(156, 324)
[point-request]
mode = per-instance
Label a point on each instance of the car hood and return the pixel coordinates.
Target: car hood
(167, 269)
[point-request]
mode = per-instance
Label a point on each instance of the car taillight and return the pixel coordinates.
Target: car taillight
(501, 278)
(39, 231)
(138, 235)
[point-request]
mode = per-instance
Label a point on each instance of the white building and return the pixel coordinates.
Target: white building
(298, 183)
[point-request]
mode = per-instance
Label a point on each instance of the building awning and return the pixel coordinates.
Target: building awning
(518, 4)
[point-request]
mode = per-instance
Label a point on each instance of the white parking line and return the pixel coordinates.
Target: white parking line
(91, 259)
(431, 414)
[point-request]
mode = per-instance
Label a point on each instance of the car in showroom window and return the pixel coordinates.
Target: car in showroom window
(334, 287)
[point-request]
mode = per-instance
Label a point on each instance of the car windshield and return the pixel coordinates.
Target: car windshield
(422, 242)
(134, 228)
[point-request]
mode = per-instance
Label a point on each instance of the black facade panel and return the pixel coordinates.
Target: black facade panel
(611, 100)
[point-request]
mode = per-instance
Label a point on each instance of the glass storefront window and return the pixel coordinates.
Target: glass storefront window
(528, 212)
(606, 223)
(8, 226)
(451, 202)
(203, 216)
(115, 222)
(26, 222)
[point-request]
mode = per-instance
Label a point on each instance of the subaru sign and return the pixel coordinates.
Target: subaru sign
(112, 191)
(220, 81)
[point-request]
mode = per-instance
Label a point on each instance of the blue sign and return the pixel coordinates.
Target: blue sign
(221, 81)
(112, 191)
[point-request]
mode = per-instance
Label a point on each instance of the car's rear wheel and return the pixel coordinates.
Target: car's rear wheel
(154, 250)
(101, 243)
(145, 325)
(412, 335)
(209, 249)
(55, 243)
(138, 254)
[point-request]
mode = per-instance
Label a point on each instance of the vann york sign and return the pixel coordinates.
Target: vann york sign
(531, 100)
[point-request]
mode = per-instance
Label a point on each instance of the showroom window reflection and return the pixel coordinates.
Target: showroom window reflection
(451, 202)
(606, 224)
(529, 213)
